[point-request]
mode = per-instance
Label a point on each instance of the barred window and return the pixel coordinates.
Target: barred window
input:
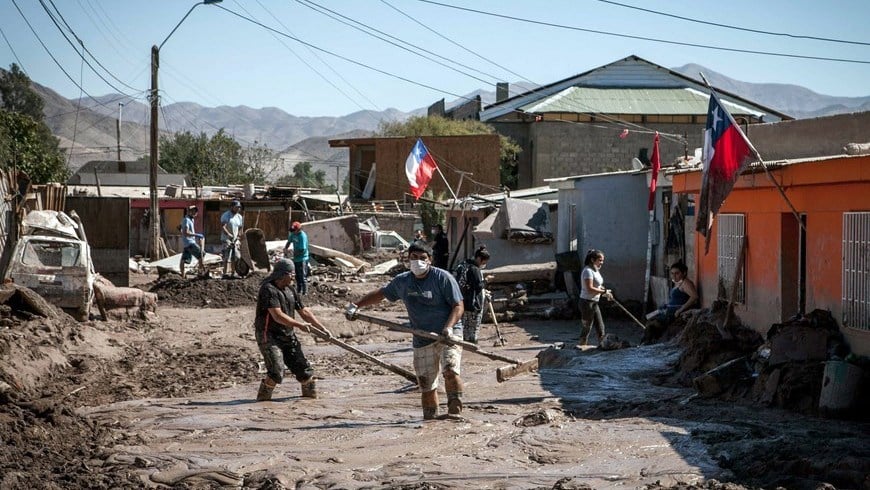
(856, 270)
(729, 238)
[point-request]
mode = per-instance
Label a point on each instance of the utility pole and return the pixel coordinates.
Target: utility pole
(121, 167)
(154, 213)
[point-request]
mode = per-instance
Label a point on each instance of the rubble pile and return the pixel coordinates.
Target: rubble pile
(172, 290)
(706, 345)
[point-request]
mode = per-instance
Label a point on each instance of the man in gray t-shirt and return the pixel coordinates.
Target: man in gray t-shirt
(434, 303)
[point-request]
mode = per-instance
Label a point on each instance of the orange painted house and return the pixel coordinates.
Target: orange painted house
(788, 270)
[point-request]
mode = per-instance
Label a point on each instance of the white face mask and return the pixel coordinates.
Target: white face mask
(419, 267)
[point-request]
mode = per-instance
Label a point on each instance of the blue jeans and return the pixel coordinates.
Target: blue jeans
(301, 269)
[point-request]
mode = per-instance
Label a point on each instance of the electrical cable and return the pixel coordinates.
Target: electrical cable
(81, 54)
(78, 106)
(13, 51)
(738, 28)
(442, 36)
(82, 43)
(643, 38)
(308, 4)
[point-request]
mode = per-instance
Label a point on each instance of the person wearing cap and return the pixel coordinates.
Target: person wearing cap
(232, 222)
(275, 325)
(298, 240)
(189, 238)
(434, 303)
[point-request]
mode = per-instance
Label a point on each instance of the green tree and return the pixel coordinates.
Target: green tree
(439, 126)
(430, 213)
(215, 160)
(26, 143)
(29, 146)
(18, 95)
(259, 161)
(305, 176)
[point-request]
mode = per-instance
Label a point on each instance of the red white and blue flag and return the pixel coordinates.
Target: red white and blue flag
(727, 152)
(419, 168)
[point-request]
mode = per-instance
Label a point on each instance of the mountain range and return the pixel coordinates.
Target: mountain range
(91, 130)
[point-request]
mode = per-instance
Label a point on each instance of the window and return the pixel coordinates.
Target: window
(729, 238)
(50, 254)
(856, 270)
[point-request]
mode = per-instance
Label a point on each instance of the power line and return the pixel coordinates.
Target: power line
(51, 55)
(737, 28)
(59, 28)
(442, 36)
(307, 2)
(344, 58)
(82, 43)
(13, 51)
(333, 70)
(643, 38)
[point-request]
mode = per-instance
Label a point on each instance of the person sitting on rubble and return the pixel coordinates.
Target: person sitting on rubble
(681, 297)
(471, 284)
(591, 291)
(189, 238)
(274, 324)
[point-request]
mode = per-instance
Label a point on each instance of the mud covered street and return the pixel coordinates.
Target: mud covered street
(171, 405)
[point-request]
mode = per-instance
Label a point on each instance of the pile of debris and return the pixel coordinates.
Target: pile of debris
(787, 370)
(205, 292)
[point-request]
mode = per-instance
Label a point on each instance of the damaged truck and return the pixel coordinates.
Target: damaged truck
(52, 257)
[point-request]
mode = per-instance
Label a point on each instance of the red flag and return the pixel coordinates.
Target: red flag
(419, 167)
(726, 154)
(656, 166)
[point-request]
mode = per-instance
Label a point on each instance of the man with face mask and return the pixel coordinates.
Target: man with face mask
(434, 304)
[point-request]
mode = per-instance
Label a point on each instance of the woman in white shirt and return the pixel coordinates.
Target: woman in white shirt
(591, 290)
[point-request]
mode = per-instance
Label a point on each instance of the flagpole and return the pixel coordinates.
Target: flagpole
(758, 156)
(445, 181)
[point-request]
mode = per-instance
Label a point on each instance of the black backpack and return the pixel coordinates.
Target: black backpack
(461, 275)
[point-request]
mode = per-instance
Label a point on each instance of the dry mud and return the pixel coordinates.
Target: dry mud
(171, 405)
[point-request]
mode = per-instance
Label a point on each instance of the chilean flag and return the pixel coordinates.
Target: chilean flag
(419, 168)
(726, 153)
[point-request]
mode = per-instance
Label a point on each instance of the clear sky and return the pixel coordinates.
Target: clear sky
(217, 58)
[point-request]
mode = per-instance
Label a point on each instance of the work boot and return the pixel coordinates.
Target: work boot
(309, 388)
(454, 403)
(264, 394)
(430, 413)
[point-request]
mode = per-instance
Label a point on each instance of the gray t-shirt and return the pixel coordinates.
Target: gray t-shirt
(597, 281)
(429, 301)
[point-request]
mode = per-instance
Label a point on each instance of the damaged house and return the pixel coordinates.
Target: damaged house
(790, 266)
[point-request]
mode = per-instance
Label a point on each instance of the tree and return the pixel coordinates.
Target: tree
(26, 143)
(18, 96)
(215, 160)
(305, 176)
(439, 126)
(29, 146)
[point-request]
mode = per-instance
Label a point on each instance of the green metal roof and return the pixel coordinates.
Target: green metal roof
(649, 101)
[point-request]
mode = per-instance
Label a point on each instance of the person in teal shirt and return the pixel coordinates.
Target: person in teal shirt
(298, 240)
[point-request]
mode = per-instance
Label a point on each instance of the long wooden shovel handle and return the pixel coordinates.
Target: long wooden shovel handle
(434, 336)
(628, 313)
(317, 331)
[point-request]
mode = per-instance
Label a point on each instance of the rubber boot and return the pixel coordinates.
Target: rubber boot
(453, 385)
(267, 386)
(429, 401)
(309, 388)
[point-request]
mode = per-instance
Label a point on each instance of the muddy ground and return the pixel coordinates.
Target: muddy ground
(171, 404)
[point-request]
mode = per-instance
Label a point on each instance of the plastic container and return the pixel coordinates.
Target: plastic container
(839, 387)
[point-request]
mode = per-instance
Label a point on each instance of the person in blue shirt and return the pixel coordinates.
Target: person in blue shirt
(189, 238)
(232, 222)
(298, 239)
(681, 297)
(434, 303)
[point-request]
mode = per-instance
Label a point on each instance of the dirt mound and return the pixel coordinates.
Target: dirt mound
(205, 292)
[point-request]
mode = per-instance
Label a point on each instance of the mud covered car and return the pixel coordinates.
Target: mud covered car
(52, 259)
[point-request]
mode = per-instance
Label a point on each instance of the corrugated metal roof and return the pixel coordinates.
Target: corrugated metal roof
(651, 101)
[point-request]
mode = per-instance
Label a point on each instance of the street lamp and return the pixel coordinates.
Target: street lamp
(154, 212)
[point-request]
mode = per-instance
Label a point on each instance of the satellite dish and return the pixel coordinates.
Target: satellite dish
(636, 164)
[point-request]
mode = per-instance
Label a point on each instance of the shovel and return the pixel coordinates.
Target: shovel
(624, 309)
(502, 374)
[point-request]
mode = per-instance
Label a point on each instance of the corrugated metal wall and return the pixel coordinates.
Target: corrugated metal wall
(106, 221)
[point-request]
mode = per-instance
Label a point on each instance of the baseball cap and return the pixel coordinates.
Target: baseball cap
(235, 204)
(296, 226)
